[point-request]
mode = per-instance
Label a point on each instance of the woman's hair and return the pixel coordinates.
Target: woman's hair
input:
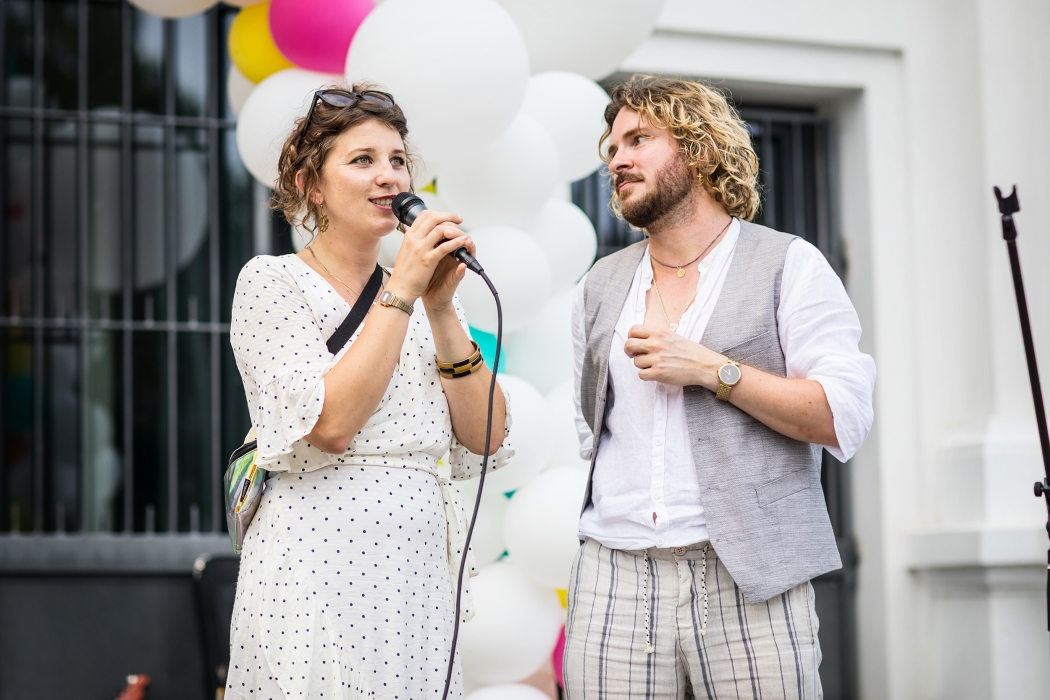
(713, 139)
(306, 151)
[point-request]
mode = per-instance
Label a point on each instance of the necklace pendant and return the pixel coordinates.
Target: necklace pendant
(674, 327)
(681, 272)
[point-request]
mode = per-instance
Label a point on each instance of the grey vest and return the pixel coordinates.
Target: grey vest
(760, 490)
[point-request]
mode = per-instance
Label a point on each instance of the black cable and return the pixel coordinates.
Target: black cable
(481, 484)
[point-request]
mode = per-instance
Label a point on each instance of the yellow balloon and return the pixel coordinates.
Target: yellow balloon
(251, 44)
(563, 595)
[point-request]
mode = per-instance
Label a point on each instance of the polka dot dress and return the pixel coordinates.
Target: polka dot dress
(345, 588)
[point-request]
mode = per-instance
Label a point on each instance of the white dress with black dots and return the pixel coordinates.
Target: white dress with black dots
(347, 571)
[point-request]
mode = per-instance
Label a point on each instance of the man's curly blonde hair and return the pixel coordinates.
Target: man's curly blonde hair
(713, 138)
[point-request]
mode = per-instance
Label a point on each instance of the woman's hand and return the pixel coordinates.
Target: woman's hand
(423, 266)
(447, 276)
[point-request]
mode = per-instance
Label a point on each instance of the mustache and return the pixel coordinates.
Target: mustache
(626, 177)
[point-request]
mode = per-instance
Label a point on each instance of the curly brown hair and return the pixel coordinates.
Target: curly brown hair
(713, 138)
(306, 150)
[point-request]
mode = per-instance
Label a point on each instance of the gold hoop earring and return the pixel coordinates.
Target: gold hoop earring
(322, 223)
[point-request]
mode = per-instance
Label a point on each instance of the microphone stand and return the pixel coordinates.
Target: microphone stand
(1008, 206)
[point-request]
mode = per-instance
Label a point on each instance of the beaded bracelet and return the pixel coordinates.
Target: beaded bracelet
(455, 370)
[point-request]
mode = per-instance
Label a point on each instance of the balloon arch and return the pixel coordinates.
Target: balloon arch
(505, 113)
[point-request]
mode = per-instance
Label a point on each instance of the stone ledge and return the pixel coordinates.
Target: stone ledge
(976, 547)
(106, 554)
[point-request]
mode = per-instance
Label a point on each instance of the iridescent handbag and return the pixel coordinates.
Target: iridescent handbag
(245, 482)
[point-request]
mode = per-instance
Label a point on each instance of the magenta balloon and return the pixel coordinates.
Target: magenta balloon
(316, 34)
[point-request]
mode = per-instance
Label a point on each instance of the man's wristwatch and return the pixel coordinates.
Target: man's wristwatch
(388, 298)
(728, 376)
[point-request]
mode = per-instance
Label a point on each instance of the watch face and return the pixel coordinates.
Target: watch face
(384, 298)
(729, 374)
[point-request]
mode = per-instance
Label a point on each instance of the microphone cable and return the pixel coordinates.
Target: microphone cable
(406, 206)
(481, 483)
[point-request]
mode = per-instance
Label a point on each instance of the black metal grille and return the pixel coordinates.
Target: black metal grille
(127, 215)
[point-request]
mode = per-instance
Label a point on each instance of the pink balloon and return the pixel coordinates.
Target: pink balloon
(557, 659)
(316, 34)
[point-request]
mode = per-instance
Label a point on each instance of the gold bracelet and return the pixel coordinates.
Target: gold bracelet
(455, 370)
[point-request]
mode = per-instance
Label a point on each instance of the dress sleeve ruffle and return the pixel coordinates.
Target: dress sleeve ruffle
(467, 465)
(287, 410)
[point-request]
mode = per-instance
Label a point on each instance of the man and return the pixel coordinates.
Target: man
(713, 361)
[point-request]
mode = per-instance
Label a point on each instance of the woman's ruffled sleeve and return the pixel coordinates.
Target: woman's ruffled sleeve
(281, 352)
(464, 463)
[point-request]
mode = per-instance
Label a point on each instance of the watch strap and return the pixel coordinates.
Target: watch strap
(723, 391)
(388, 298)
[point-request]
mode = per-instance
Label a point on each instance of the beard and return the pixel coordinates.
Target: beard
(671, 187)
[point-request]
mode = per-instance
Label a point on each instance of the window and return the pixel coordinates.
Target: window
(127, 218)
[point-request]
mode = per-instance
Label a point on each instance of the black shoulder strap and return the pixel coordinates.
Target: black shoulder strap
(357, 313)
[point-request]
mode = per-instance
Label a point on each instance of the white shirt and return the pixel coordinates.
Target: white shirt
(645, 491)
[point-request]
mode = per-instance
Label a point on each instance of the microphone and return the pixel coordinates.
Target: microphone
(408, 206)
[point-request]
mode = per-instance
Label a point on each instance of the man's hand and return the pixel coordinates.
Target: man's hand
(661, 355)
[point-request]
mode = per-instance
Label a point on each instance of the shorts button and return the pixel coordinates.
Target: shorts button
(679, 551)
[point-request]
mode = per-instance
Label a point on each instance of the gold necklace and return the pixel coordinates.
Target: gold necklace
(681, 270)
(329, 273)
(673, 325)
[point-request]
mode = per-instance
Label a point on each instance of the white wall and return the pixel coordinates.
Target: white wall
(931, 104)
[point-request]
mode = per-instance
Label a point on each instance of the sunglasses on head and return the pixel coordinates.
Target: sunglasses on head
(344, 98)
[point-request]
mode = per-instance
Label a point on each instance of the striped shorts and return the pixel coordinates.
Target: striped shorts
(706, 641)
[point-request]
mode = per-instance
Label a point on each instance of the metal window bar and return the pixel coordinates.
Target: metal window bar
(40, 324)
(4, 517)
(37, 198)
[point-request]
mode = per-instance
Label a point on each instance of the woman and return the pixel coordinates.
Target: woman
(346, 582)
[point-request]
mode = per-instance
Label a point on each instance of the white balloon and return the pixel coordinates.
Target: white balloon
(238, 87)
(269, 114)
(590, 37)
(506, 182)
(541, 525)
(571, 108)
(541, 352)
(530, 437)
(468, 493)
(433, 201)
(518, 268)
(515, 626)
(508, 691)
(561, 407)
(567, 236)
(424, 171)
(173, 9)
(487, 541)
(458, 68)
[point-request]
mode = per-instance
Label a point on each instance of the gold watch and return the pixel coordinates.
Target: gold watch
(388, 298)
(728, 377)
